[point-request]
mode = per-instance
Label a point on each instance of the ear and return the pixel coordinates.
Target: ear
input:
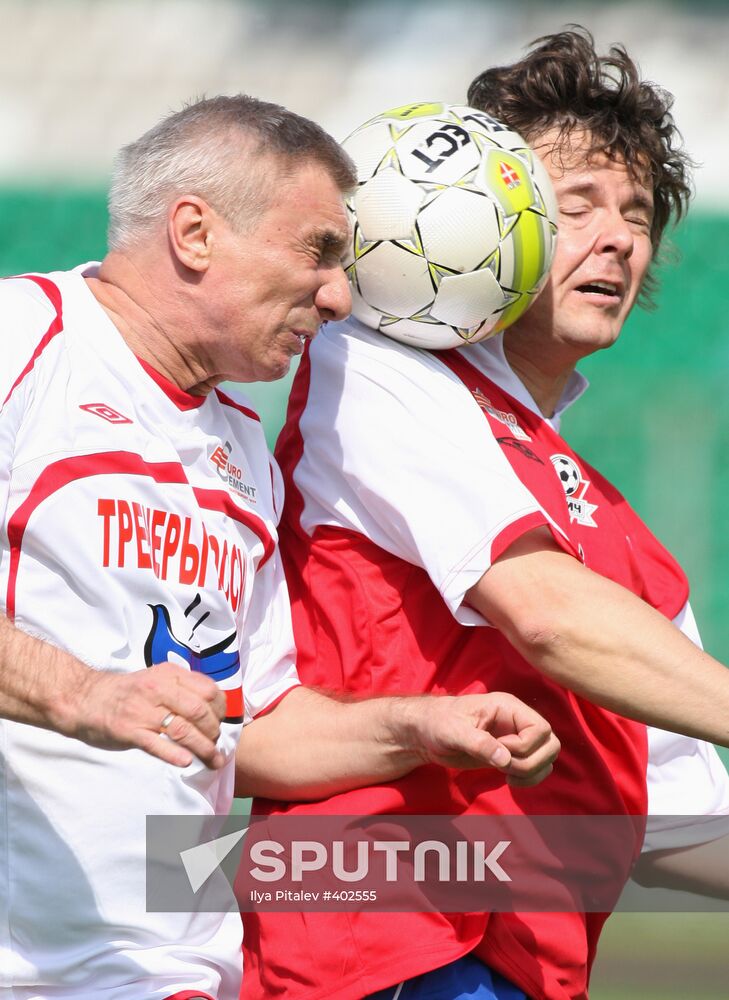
(189, 228)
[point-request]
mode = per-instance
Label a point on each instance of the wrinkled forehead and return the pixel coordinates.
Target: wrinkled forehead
(310, 198)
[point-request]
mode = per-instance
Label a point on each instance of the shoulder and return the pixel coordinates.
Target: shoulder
(353, 344)
(30, 302)
(355, 374)
(371, 416)
(31, 318)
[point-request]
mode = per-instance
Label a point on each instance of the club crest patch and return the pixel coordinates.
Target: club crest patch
(575, 488)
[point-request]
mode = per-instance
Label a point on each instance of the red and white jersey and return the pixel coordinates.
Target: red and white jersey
(137, 525)
(407, 473)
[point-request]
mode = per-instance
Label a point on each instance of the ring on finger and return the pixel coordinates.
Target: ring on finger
(165, 723)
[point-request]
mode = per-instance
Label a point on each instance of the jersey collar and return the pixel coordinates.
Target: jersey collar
(489, 357)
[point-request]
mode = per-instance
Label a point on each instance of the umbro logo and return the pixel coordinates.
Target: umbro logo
(106, 412)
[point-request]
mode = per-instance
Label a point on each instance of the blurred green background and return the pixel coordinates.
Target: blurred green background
(656, 422)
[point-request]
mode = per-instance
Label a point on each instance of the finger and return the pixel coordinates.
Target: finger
(177, 743)
(189, 695)
(527, 739)
(209, 691)
(153, 744)
(476, 748)
(505, 715)
(187, 703)
(197, 706)
(527, 781)
(546, 752)
(185, 734)
(537, 763)
(168, 677)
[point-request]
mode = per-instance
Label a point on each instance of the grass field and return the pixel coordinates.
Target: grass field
(663, 956)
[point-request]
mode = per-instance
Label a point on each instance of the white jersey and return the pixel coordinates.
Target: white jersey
(137, 525)
(368, 394)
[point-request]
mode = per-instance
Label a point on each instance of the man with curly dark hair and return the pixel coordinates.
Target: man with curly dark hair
(442, 536)
(564, 88)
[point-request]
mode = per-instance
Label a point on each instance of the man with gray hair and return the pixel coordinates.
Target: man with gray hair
(145, 610)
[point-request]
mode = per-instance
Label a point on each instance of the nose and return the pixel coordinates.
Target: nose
(334, 299)
(616, 235)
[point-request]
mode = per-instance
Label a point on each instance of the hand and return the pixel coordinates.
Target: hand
(486, 730)
(121, 711)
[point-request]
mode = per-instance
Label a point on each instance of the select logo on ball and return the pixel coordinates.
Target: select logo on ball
(454, 224)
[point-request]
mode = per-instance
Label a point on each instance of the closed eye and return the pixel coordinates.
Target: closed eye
(330, 246)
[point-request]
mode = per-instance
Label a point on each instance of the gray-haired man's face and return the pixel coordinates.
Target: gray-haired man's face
(282, 278)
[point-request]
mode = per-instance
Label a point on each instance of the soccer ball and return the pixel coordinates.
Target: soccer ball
(454, 223)
(568, 473)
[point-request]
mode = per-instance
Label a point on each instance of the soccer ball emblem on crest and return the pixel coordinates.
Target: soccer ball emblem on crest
(568, 473)
(454, 223)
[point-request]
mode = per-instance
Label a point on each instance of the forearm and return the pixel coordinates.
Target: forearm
(39, 683)
(635, 662)
(312, 746)
(601, 641)
(702, 869)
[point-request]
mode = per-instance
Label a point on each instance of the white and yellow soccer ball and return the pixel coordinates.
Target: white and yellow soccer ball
(454, 223)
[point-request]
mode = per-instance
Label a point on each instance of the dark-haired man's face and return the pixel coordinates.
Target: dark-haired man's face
(603, 252)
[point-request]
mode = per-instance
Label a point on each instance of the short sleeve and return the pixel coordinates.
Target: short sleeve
(268, 654)
(395, 449)
(686, 780)
(29, 320)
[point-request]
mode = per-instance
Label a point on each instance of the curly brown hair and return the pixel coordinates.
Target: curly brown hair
(563, 83)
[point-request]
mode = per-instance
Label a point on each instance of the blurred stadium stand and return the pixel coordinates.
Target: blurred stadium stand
(79, 78)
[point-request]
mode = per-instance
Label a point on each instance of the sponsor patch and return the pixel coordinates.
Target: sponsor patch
(503, 416)
(230, 473)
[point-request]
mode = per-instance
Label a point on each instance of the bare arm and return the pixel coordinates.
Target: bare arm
(601, 641)
(47, 687)
(701, 868)
(310, 746)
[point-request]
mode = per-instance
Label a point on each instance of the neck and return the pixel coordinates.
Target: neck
(545, 382)
(140, 315)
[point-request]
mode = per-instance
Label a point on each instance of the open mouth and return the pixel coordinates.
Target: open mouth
(606, 288)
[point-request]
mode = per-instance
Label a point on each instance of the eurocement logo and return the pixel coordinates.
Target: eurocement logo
(230, 473)
(503, 416)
